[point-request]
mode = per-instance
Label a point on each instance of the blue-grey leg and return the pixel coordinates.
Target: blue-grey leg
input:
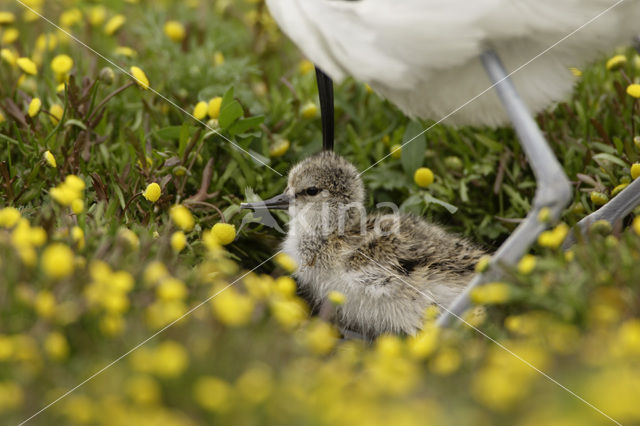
(553, 191)
(615, 210)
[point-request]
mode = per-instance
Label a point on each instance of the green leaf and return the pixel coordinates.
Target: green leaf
(489, 143)
(413, 151)
(229, 114)
(610, 158)
(245, 124)
(172, 132)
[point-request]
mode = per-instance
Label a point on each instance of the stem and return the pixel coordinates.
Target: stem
(107, 99)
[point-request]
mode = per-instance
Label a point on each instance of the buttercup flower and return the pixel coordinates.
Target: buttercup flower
(396, 151)
(152, 192)
(218, 58)
(635, 170)
(200, 110)
(214, 107)
(97, 15)
(8, 56)
(34, 107)
(114, 24)
(212, 394)
(279, 148)
(62, 64)
(7, 18)
(181, 216)
(57, 261)
(9, 216)
(140, 77)
(336, 297)
(491, 293)
(423, 177)
(178, 241)
(285, 262)
(10, 35)
(50, 159)
(616, 62)
(309, 111)
(56, 111)
(526, 264)
(27, 65)
(633, 90)
(224, 232)
(174, 30)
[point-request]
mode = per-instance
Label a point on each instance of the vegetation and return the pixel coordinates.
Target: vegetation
(125, 259)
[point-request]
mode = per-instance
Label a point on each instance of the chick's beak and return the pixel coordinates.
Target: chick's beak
(279, 202)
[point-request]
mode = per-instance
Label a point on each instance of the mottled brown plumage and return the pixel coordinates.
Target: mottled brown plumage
(389, 266)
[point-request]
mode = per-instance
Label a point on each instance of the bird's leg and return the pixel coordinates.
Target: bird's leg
(614, 211)
(553, 187)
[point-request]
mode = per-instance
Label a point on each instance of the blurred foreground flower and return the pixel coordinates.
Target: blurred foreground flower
(181, 216)
(174, 30)
(224, 232)
(57, 261)
(491, 293)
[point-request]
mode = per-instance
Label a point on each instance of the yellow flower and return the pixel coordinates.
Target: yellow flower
(598, 198)
(143, 389)
(77, 206)
(178, 241)
(50, 159)
(74, 182)
(527, 264)
(44, 304)
(170, 359)
(635, 170)
(9, 216)
(285, 286)
(255, 384)
(8, 56)
(424, 343)
(70, 18)
(279, 148)
(616, 62)
(7, 18)
(553, 238)
(57, 261)
(224, 232)
(154, 272)
(618, 189)
(10, 35)
(305, 66)
(336, 297)
(200, 110)
(114, 24)
(218, 58)
(129, 237)
(320, 337)
(97, 15)
(214, 107)
(56, 346)
(396, 151)
(232, 308)
(285, 262)
(56, 111)
(309, 111)
(423, 177)
(174, 30)
(27, 65)
(171, 289)
(483, 263)
(491, 293)
(152, 192)
(289, 313)
(125, 51)
(633, 90)
(575, 71)
(2, 119)
(77, 234)
(181, 216)
(636, 225)
(140, 77)
(446, 361)
(212, 394)
(34, 107)
(62, 64)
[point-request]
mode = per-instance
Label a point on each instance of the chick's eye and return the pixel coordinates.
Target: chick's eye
(312, 191)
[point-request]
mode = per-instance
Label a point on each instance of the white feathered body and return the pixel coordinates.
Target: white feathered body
(423, 55)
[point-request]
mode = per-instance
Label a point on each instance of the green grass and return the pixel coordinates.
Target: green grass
(571, 317)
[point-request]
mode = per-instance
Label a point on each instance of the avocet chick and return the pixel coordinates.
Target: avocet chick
(390, 267)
